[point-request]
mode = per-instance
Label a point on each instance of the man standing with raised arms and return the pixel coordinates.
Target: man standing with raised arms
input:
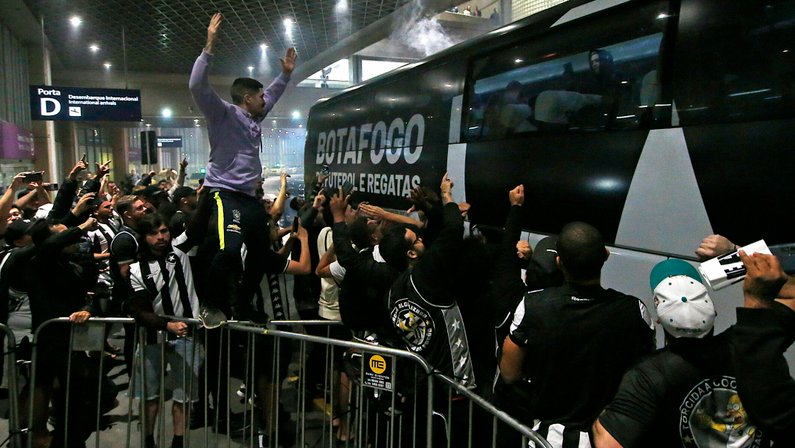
(232, 175)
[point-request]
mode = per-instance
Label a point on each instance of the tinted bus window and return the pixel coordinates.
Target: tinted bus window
(603, 75)
(735, 61)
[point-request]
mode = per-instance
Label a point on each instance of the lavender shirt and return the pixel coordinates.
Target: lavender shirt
(235, 136)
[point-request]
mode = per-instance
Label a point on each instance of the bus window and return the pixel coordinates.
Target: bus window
(603, 75)
(735, 61)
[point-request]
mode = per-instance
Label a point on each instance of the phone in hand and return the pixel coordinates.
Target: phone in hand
(295, 224)
(325, 170)
(347, 188)
(32, 176)
(84, 159)
(51, 187)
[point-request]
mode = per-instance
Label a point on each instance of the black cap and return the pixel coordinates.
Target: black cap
(16, 230)
(543, 270)
(151, 191)
(182, 192)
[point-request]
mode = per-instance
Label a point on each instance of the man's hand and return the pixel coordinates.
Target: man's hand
(79, 317)
(83, 204)
(447, 189)
(303, 235)
(763, 280)
(89, 224)
(183, 165)
(372, 211)
(464, 207)
(178, 328)
(283, 181)
(103, 169)
(212, 32)
(523, 250)
(17, 182)
(516, 196)
(321, 179)
(319, 199)
(79, 166)
(338, 204)
(713, 246)
(288, 61)
(423, 198)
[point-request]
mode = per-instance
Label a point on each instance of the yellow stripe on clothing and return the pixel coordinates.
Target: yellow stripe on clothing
(220, 208)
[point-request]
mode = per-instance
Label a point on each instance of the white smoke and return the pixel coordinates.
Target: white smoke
(421, 33)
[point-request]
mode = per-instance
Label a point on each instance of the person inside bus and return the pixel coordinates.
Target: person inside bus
(232, 175)
(508, 112)
(558, 333)
(605, 82)
(655, 405)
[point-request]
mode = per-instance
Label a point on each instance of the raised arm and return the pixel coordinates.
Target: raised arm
(208, 101)
(375, 212)
(278, 204)
(7, 200)
(765, 329)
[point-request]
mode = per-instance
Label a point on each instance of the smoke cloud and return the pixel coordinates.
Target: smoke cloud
(422, 33)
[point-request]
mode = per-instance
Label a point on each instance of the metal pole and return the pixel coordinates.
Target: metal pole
(124, 53)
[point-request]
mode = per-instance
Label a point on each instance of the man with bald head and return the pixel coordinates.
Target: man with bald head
(569, 345)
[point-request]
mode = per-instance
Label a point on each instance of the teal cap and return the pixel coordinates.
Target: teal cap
(670, 268)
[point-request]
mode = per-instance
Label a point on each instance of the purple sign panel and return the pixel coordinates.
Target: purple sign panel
(15, 142)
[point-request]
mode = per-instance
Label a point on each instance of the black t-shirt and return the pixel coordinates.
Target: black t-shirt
(683, 396)
(579, 341)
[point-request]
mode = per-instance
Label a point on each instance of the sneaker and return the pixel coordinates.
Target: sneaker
(211, 317)
(241, 391)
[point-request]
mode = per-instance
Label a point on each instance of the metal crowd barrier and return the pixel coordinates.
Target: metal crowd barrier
(10, 361)
(368, 424)
(392, 398)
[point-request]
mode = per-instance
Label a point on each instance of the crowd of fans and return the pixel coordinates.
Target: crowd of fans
(576, 360)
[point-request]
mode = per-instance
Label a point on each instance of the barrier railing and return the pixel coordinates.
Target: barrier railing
(371, 395)
(10, 361)
(473, 400)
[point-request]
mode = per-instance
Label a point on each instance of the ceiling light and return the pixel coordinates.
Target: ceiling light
(263, 47)
(518, 61)
(107, 65)
(166, 112)
(288, 22)
(148, 125)
(94, 48)
(296, 115)
(75, 21)
(250, 69)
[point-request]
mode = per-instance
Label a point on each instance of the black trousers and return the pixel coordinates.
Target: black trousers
(237, 219)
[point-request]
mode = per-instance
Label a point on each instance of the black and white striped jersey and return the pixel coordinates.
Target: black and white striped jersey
(170, 279)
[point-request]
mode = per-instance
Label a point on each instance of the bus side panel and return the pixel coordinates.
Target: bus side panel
(744, 172)
(572, 177)
(386, 140)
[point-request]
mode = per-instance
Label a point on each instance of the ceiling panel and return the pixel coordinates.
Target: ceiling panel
(165, 36)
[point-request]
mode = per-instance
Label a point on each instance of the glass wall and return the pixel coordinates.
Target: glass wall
(93, 142)
(372, 68)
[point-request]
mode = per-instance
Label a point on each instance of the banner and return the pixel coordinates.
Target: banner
(15, 142)
(78, 104)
